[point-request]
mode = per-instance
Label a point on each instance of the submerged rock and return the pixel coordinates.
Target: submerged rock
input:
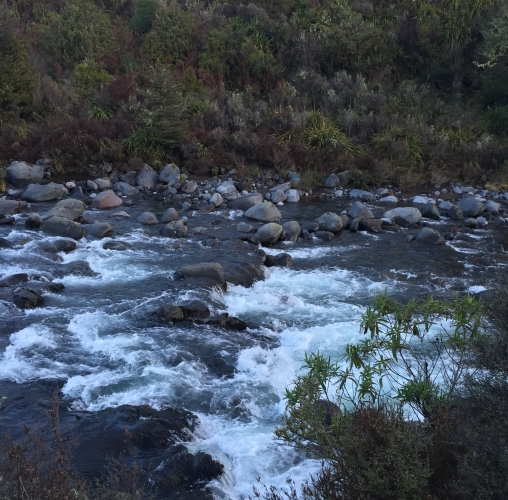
(210, 271)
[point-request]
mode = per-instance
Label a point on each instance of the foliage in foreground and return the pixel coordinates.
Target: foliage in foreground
(431, 357)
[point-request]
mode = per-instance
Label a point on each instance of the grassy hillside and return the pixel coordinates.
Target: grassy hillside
(395, 90)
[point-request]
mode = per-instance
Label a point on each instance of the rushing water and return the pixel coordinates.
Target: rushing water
(101, 339)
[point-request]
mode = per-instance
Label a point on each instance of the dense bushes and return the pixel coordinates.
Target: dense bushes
(355, 416)
(400, 91)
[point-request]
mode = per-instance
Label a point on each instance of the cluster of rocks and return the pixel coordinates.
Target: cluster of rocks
(26, 292)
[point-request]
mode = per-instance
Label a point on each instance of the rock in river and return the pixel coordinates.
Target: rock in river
(176, 229)
(59, 226)
(269, 233)
(471, 207)
(265, 212)
(430, 236)
(70, 209)
(98, 230)
(360, 211)
(44, 192)
(330, 222)
(246, 202)
(106, 199)
(210, 271)
(404, 215)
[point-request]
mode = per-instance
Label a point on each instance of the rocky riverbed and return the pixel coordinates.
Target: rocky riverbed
(180, 309)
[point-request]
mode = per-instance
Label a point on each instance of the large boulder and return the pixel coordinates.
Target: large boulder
(293, 196)
(332, 181)
(430, 211)
(370, 225)
(33, 221)
(176, 229)
(455, 213)
(404, 215)
(359, 211)
(106, 199)
(44, 192)
(60, 226)
(170, 215)
(330, 222)
(210, 271)
(189, 187)
(216, 200)
(98, 230)
(246, 202)
(278, 196)
(492, 207)
(269, 233)
(264, 212)
(471, 207)
(103, 184)
(227, 187)
(71, 209)
(147, 219)
(170, 175)
(10, 206)
(147, 177)
(430, 236)
(125, 189)
(363, 195)
(20, 173)
(292, 230)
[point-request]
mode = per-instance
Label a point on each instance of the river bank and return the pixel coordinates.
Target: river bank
(101, 343)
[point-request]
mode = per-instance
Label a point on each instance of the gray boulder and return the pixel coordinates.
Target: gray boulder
(91, 185)
(324, 235)
(176, 229)
(170, 175)
(60, 226)
(471, 222)
(292, 229)
(216, 200)
(363, 195)
(212, 271)
(170, 215)
(227, 187)
(125, 189)
(246, 202)
(189, 187)
(293, 196)
(44, 192)
(20, 173)
(147, 218)
(269, 233)
(98, 230)
(430, 236)
(371, 225)
(492, 207)
(119, 246)
(471, 207)
(11, 206)
(283, 260)
(404, 215)
(264, 212)
(278, 196)
(281, 187)
(103, 184)
(106, 199)
(388, 199)
(33, 221)
(71, 209)
(455, 213)
(129, 177)
(359, 211)
(243, 227)
(330, 222)
(147, 177)
(332, 181)
(430, 211)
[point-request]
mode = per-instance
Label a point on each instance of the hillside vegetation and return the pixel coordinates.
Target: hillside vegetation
(395, 90)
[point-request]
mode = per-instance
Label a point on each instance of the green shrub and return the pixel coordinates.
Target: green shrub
(82, 32)
(497, 120)
(144, 15)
